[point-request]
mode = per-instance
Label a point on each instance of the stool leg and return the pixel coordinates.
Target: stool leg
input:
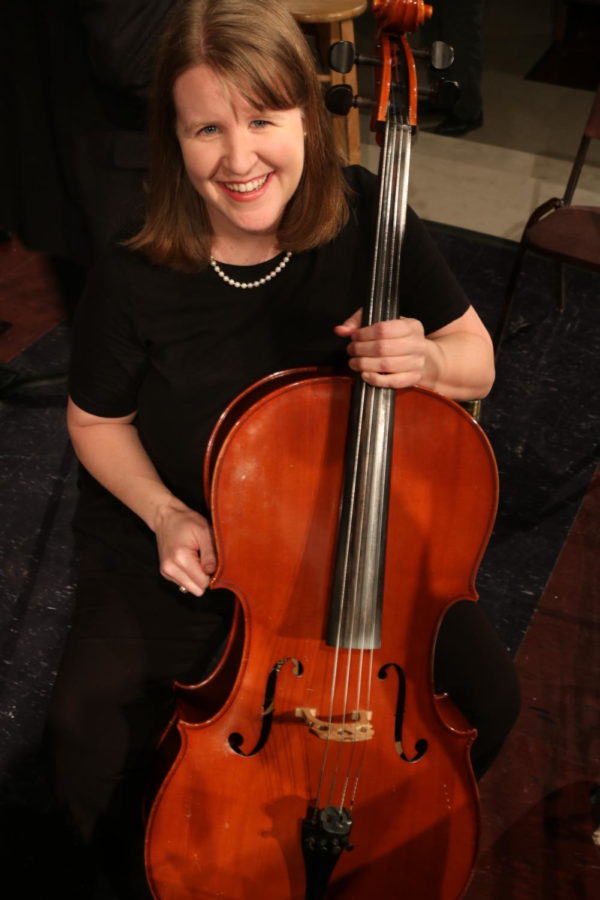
(353, 118)
(327, 35)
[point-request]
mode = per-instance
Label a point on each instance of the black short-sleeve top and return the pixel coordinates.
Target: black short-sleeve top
(176, 348)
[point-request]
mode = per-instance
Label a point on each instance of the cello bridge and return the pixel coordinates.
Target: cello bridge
(357, 728)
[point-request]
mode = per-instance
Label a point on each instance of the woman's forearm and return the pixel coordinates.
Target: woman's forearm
(459, 365)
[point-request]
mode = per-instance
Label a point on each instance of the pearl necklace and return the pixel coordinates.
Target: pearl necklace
(251, 284)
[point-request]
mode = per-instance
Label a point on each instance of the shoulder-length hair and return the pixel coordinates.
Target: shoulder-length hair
(256, 46)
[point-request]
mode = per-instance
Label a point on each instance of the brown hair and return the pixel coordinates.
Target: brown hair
(257, 46)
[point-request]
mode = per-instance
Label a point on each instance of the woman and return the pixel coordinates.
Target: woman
(252, 258)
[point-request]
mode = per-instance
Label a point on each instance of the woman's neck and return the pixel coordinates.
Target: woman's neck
(245, 253)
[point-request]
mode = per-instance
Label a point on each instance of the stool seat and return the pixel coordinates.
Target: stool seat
(325, 11)
(331, 21)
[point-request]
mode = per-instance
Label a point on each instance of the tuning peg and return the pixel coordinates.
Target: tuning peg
(342, 56)
(447, 93)
(339, 100)
(440, 55)
(443, 93)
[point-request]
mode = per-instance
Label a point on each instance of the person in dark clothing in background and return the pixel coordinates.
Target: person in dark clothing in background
(73, 81)
(459, 23)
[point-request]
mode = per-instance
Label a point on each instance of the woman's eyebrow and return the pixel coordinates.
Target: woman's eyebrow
(194, 124)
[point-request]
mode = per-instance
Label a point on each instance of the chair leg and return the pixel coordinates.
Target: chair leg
(508, 298)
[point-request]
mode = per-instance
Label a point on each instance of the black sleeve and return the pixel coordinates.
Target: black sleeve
(429, 290)
(107, 357)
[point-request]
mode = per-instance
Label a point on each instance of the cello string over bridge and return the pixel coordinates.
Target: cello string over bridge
(359, 729)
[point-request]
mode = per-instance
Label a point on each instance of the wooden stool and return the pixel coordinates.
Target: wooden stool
(333, 20)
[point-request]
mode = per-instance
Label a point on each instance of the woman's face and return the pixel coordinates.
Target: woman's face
(244, 163)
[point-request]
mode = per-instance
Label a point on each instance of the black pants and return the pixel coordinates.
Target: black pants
(133, 636)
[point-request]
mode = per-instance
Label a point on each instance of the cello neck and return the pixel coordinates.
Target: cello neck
(357, 595)
(394, 167)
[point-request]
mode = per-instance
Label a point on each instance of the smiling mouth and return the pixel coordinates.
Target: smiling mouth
(246, 187)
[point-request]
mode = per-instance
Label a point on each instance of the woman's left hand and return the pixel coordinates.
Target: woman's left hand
(387, 354)
(457, 360)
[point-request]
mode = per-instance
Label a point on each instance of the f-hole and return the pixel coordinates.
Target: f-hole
(420, 745)
(268, 708)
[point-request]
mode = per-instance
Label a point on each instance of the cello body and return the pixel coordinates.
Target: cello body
(364, 732)
(317, 762)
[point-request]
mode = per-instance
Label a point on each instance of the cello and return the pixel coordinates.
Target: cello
(317, 762)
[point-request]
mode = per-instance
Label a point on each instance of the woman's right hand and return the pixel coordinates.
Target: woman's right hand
(111, 450)
(185, 547)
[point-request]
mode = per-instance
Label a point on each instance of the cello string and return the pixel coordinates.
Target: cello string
(344, 604)
(338, 641)
(366, 614)
(365, 617)
(396, 189)
(381, 306)
(361, 462)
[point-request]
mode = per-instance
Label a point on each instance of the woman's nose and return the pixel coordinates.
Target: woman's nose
(240, 152)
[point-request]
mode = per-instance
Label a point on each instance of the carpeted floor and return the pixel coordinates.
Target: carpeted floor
(541, 416)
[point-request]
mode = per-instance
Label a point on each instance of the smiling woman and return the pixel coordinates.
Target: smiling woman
(245, 163)
(244, 173)
(267, 69)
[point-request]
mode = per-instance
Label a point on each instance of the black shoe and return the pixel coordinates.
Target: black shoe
(454, 126)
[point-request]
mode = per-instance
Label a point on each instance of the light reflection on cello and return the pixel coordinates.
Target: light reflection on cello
(325, 764)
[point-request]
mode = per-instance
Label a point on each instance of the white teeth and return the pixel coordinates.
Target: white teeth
(247, 186)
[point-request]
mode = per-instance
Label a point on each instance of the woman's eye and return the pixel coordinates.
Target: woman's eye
(259, 123)
(207, 130)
